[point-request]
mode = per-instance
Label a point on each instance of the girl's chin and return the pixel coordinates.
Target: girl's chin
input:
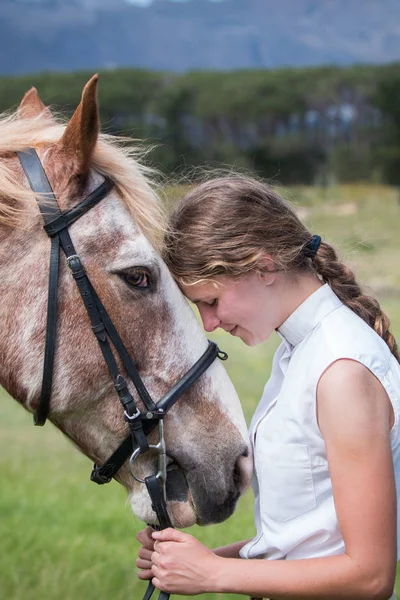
(247, 337)
(251, 339)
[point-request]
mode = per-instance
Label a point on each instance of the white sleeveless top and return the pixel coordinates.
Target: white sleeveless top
(294, 510)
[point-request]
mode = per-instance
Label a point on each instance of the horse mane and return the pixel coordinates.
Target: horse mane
(113, 156)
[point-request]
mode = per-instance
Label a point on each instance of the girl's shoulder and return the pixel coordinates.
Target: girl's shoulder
(343, 334)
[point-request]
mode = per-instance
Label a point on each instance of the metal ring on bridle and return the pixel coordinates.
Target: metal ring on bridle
(134, 457)
(161, 450)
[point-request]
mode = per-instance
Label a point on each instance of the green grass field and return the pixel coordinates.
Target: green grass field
(64, 538)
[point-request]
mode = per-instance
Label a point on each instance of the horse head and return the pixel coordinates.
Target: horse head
(117, 240)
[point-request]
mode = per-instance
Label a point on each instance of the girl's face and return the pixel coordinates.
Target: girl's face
(244, 308)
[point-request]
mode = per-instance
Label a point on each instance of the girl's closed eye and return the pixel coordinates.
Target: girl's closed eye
(199, 303)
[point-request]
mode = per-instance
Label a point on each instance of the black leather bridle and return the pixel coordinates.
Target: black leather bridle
(140, 424)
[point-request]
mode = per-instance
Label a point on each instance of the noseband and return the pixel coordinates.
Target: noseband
(140, 424)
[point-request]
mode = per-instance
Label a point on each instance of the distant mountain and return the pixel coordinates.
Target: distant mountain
(42, 35)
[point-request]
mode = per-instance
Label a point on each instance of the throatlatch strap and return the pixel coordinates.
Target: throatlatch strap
(51, 325)
(55, 223)
(40, 184)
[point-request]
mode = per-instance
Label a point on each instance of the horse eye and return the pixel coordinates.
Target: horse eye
(137, 278)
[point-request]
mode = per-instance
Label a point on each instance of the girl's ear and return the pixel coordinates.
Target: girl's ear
(268, 277)
(268, 270)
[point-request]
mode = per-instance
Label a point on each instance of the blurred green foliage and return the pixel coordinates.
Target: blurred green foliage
(294, 125)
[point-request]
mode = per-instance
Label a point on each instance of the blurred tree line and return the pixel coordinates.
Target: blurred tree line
(312, 125)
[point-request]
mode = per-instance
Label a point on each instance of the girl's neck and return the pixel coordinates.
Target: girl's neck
(294, 290)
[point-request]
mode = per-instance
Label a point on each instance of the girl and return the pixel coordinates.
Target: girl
(326, 434)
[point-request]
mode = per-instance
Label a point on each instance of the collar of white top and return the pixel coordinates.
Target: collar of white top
(309, 314)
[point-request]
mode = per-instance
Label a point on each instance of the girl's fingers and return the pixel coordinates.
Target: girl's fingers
(144, 537)
(143, 564)
(169, 534)
(143, 561)
(145, 553)
(146, 574)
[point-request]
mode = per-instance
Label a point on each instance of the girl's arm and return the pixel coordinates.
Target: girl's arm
(231, 550)
(355, 416)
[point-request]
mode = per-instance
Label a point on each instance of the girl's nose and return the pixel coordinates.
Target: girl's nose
(210, 323)
(210, 320)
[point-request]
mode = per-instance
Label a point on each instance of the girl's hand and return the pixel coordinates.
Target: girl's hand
(144, 561)
(181, 564)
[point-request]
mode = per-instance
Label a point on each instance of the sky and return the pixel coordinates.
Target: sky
(147, 2)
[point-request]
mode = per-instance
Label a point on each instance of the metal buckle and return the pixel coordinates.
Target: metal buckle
(131, 417)
(74, 263)
(71, 258)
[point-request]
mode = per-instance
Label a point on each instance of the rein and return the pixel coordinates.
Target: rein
(140, 424)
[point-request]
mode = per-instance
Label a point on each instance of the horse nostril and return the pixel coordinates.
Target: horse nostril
(237, 476)
(238, 468)
(242, 471)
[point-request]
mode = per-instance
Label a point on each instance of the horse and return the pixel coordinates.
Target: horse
(118, 241)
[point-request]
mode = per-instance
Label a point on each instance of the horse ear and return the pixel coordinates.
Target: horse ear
(81, 133)
(31, 106)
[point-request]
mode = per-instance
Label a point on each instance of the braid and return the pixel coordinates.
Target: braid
(342, 281)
